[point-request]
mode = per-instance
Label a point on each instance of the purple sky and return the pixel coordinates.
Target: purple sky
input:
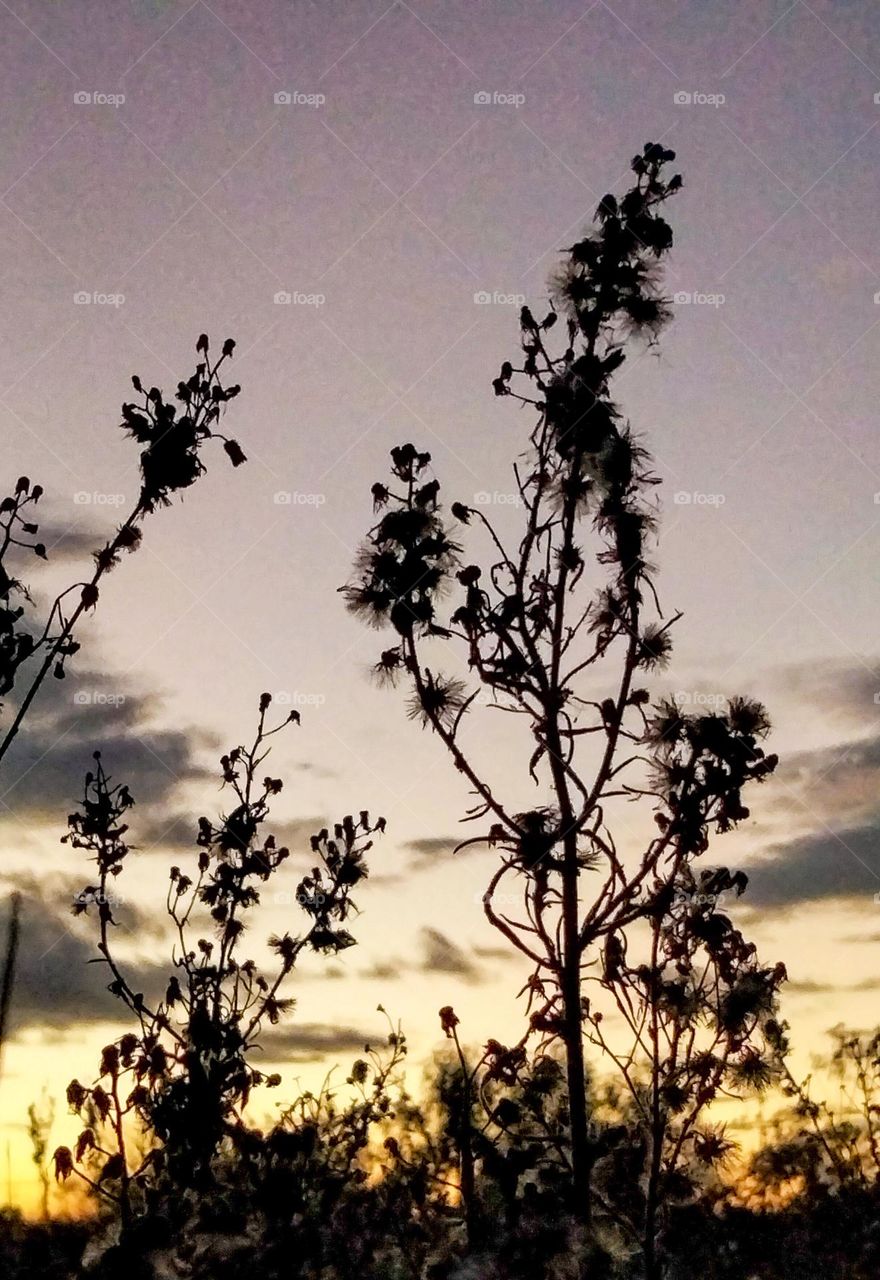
(383, 198)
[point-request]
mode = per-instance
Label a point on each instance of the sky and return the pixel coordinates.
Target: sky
(362, 195)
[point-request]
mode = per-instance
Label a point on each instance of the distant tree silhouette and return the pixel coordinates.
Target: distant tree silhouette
(532, 628)
(40, 1119)
(820, 1148)
(10, 956)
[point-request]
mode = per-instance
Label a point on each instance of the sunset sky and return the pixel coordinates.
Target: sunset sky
(388, 199)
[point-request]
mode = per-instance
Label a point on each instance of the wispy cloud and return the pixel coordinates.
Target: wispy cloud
(309, 1041)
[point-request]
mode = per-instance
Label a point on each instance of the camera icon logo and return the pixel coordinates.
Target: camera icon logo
(877, 99)
(682, 297)
(683, 98)
(81, 98)
(282, 298)
(282, 498)
(482, 98)
(82, 298)
(82, 698)
(482, 298)
(682, 499)
(282, 98)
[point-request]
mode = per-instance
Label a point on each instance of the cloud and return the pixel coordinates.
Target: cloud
(839, 783)
(823, 864)
(178, 829)
(807, 988)
(439, 954)
(43, 772)
(57, 892)
(309, 1041)
(55, 985)
(59, 985)
(832, 793)
(835, 692)
(72, 542)
(384, 971)
(810, 988)
(317, 770)
(428, 851)
(442, 955)
(828, 797)
(295, 833)
(841, 690)
(66, 539)
(492, 953)
(432, 844)
(163, 830)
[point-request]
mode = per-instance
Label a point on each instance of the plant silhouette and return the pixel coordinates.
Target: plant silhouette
(534, 628)
(589, 1146)
(170, 461)
(172, 437)
(184, 1077)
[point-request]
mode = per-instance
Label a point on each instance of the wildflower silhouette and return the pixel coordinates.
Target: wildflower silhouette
(184, 1076)
(528, 627)
(170, 461)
